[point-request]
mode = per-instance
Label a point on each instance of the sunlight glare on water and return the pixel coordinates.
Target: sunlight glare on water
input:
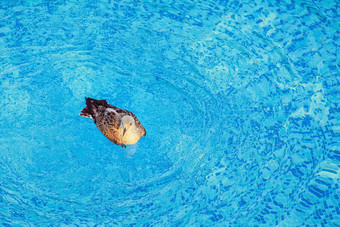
(240, 102)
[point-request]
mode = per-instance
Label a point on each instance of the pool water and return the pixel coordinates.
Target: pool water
(240, 101)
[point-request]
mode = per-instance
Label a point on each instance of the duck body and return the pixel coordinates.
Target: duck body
(118, 125)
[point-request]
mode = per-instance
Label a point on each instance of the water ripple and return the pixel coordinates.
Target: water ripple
(238, 99)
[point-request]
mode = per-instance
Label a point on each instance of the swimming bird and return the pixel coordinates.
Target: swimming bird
(118, 125)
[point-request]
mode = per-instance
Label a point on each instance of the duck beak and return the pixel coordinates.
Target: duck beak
(124, 130)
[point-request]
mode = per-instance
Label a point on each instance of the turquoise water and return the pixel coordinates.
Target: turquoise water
(240, 101)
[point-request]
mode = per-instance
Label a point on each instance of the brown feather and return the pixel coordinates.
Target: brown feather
(108, 119)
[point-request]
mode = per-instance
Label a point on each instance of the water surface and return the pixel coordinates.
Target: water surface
(240, 101)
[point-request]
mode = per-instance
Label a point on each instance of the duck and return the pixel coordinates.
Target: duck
(120, 126)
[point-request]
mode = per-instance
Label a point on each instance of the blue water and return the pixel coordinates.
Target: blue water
(240, 101)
